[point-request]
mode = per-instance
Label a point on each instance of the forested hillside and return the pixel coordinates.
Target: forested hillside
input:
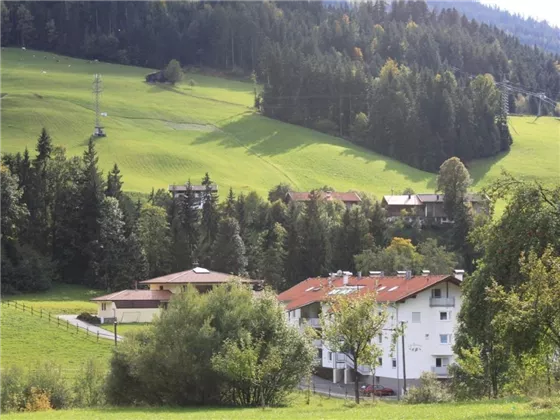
(529, 31)
(397, 82)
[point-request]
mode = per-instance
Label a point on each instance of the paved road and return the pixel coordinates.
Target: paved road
(93, 329)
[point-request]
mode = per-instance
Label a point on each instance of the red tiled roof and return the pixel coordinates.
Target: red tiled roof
(390, 289)
(347, 197)
(159, 295)
(196, 275)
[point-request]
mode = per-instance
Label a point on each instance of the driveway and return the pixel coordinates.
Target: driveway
(93, 329)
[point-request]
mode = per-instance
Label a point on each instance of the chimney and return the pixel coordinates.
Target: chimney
(376, 273)
(345, 279)
(408, 274)
(459, 274)
(136, 285)
(359, 275)
(425, 273)
(401, 273)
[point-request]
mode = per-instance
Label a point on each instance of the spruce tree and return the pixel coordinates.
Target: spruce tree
(114, 183)
(274, 258)
(111, 262)
(209, 222)
(191, 224)
(315, 246)
(228, 251)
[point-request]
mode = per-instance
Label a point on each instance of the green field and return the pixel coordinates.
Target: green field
(61, 299)
(319, 408)
(28, 340)
(160, 134)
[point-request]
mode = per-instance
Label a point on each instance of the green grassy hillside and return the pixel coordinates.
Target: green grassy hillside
(160, 134)
(28, 340)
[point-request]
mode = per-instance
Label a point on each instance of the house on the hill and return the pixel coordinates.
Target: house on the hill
(140, 305)
(197, 190)
(348, 198)
(156, 77)
(428, 207)
(428, 304)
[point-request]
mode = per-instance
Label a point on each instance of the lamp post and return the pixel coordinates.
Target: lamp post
(403, 356)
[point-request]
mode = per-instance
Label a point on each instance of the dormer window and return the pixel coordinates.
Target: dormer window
(436, 293)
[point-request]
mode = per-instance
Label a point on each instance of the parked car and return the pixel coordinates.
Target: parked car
(377, 390)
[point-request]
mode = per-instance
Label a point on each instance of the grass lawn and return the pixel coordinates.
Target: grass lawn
(160, 134)
(28, 340)
(124, 329)
(319, 408)
(61, 299)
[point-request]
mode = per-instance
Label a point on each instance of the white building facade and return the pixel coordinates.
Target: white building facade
(427, 305)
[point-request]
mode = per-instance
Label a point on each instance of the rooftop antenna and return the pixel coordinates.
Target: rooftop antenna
(97, 89)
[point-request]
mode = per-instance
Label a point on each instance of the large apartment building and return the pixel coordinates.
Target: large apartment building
(427, 304)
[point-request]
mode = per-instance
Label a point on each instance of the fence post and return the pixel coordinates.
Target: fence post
(24, 307)
(87, 331)
(98, 336)
(345, 393)
(67, 325)
(15, 304)
(76, 328)
(313, 388)
(329, 391)
(41, 312)
(32, 310)
(49, 316)
(57, 321)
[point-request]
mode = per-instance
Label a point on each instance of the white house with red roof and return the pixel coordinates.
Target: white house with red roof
(141, 305)
(428, 305)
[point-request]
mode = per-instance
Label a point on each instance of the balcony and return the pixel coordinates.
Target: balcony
(440, 371)
(312, 322)
(441, 301)
(318, 344)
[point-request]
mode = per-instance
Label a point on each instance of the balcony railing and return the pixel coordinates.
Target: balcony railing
(440, 370)
(313, 322)
(441, 301)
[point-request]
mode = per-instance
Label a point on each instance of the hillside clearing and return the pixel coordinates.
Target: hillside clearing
(159, 134)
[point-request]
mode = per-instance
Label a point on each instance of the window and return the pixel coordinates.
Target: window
(330, 356)
(444, 316)
(394, 363)
(436, 293)
(160, 287)
(416, 317)
(380, 337)
(380, 361)
(445, 338)
(377, 379)
(103, 306)
(164, 305)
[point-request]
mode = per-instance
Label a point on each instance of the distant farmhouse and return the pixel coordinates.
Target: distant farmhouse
(156, 77)
(428, 207)
(139, 305)
(198, 191)
(348, 198)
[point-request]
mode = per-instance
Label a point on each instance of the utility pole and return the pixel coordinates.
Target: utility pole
(403, 359)
(97, 89)
(505, 98)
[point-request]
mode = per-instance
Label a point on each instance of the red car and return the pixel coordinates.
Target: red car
(378, 391)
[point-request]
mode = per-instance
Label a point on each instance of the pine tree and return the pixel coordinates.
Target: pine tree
(209, 222)
(111, 263)
(92, 187)
(228, 251)
(114, 183)
(274, 257)
(314, 249)
(154, 236)
(229, 207)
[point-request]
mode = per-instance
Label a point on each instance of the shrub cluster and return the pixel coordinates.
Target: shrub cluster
(89, 318)
(431, 390)
(46, 388)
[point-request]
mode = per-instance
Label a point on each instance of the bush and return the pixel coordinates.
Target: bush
(89, 386)
(91, 319)
(220, 347)
(430, 391)
(12, 392)
(173, 73)
(545, 403)
(37, 400)
(48, 378)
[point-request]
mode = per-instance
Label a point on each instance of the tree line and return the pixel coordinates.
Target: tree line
(395, 80)
(63, 220)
